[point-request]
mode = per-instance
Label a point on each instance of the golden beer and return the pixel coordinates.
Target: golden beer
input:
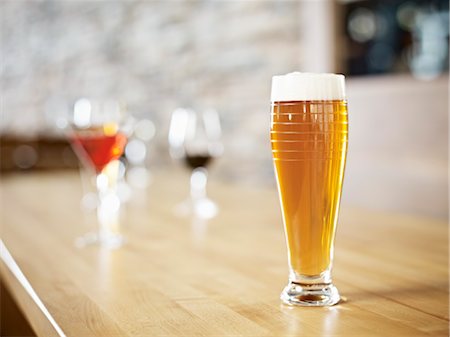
(309, 146)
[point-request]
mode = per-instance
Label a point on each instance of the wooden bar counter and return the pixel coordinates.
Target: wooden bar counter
(186, 277)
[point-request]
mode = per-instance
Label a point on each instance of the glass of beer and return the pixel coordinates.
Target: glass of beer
(309, 133)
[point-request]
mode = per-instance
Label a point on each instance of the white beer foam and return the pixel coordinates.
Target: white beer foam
(298, 86)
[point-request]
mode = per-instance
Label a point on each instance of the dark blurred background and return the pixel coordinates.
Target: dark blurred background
(161, 55)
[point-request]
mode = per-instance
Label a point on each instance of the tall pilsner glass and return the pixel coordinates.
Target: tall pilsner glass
(309, 132)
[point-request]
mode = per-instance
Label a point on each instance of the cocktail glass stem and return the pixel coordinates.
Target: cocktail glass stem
(108, 213)
(108, 209)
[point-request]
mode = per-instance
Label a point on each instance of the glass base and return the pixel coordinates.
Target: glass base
(111, 241)
(310, 295)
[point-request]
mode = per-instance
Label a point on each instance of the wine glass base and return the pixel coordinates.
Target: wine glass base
(111, 241)
(310, 295)
(203, 208)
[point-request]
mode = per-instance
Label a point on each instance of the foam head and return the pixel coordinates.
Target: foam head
(298, 86)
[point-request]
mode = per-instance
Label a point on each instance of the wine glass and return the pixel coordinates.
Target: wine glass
(194, 137)
(97, 130)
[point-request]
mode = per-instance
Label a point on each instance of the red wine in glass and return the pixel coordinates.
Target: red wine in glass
(194, 161)
(194, 136)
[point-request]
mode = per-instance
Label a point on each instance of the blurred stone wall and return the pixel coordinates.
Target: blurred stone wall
(160, 55)
(155, 55)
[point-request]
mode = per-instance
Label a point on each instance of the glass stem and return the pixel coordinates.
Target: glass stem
(108, 207)
(199, 178)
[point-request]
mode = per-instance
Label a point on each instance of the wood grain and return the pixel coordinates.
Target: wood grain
(187, 277)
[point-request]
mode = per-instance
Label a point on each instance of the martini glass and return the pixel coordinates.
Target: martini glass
(98, 134)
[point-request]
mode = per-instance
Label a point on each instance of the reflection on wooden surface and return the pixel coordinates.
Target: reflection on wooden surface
(177, 276)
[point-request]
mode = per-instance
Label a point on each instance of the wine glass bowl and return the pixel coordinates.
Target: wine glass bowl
(194, 137)
(98, 131)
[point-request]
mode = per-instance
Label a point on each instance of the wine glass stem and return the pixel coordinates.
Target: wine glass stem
(199, 178)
